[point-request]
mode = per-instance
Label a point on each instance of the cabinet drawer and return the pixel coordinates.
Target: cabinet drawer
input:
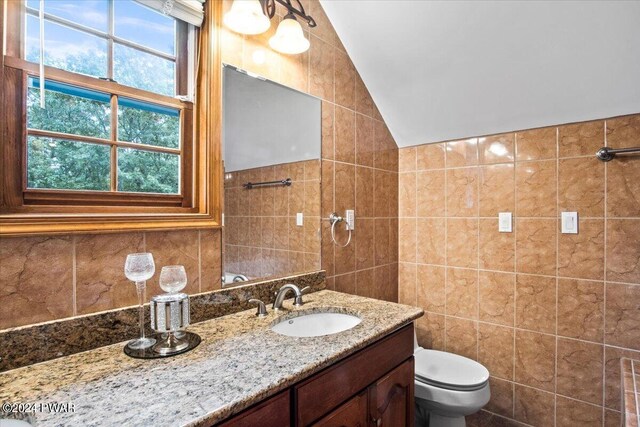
(350, 414)
(273, 412)
(323, 392)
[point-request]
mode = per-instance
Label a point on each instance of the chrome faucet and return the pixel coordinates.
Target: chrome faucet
(282, 293)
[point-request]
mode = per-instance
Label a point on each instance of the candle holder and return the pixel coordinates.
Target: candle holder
(170, 315)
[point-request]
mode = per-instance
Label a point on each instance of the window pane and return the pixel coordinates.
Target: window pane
(64, 112)
(66, 48)
(148, 172)
(148, 124)
(67, 165)
(90, 13)
(143, 70)
(144, 26)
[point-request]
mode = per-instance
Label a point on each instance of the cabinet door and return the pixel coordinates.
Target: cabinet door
(391, 398)
(273, 412)
(350, 414)
(322, 393)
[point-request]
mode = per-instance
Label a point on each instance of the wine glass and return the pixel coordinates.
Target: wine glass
(173, 278)
(139, 268)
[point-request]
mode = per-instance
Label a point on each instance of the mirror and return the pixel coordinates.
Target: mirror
(271, 151)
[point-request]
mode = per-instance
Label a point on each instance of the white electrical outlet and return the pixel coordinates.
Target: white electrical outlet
(569, 222)
(299, 219)
(351, 219)
(505, 222)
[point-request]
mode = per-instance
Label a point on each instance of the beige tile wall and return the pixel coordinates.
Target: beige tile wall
(359, 155)
(53, 277)
(548, 314)
(261, 238)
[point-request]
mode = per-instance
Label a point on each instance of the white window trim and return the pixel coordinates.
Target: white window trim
(190, 11)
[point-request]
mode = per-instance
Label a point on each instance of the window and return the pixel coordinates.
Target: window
(97, 141)
(116, 134)
(70, 142)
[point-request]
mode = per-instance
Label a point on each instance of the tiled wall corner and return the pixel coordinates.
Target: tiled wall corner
(549, 314)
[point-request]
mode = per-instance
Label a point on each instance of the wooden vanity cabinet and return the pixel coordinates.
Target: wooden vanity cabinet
(373, 387)
(274, 411)
(391, 401)
(353, 413)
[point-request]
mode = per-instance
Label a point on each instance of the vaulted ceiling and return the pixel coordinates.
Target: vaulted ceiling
(441, 70)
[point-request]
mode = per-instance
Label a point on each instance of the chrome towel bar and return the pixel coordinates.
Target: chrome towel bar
(605, 153)
(283, 182)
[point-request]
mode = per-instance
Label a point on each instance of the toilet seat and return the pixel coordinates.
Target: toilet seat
(449, 371)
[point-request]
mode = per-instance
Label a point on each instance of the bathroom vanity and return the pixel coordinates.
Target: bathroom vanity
(242, 374)
(375, 385)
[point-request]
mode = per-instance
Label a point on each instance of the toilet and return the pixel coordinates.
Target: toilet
(448, 387)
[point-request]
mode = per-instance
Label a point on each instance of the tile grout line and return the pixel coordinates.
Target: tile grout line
(334, 183)
(355, 179)
(557, 209)
(515, 264)
(477, 311)
(548, 334)
(415, 265)
(534, 218)
(581, 279)
(415, 202)
(550, 392)
(446, 244)
(604, 285)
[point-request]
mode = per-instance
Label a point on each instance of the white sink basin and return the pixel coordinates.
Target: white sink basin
(316, 324)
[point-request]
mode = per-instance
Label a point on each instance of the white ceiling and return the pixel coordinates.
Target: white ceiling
(441, 70)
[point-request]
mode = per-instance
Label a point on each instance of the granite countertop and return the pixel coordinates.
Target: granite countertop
(239, 362)
(630, 391)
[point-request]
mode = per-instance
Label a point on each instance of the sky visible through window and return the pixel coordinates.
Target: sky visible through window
(85, 53)
(134, 21)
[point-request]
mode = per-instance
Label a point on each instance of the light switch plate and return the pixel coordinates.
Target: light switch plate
(569, 222)
(351, 219)
(299, 219)
(505, 222)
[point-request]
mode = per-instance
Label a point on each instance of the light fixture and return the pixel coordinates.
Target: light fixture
(259, 56)
(289, 37)
(252, 17)
(246, 17)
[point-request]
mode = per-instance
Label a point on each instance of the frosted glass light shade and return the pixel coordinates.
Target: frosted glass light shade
(289, 37)
(246, 17)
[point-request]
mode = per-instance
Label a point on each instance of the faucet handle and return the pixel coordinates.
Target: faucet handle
(298, 299)
(262, 309)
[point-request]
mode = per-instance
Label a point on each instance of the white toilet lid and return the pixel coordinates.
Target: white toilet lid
(449, 370)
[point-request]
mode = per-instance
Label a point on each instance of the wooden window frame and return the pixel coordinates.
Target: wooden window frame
(36, 211)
